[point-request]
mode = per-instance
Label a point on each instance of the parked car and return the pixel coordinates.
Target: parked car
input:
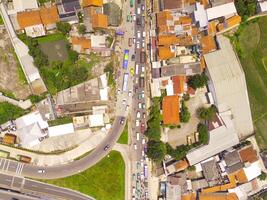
(41, 171)
(134, 17)
(143, 44)
(137, 136)
(106, 147)
(142, 128)
(138, 10)
(143, 141)
(130, 42)
(138, 21)
(133, 57)
(137, 123)
(144, 34)
(127, 108)
(122, 120)
(138, 34)
(135, 146)
(138, 45)
(142, 7)
(138, 115)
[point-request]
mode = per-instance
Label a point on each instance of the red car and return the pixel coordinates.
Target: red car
(143, 128)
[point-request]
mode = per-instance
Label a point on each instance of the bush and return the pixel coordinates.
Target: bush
(263, 176)
(203, 133)
(207, 114)
(246, 8)
(10, 112)
(36, 98)
(59, 121)
(198, 80)
(156, 150)
(81, 29)
(179, 152)
(63, 27)
(191, 168)
(184, 114)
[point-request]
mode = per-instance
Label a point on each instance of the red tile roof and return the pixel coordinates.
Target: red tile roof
(171, 107)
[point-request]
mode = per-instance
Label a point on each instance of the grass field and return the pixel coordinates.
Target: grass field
(104, 181)
(252, 41)
(51, 38)
(124, 135)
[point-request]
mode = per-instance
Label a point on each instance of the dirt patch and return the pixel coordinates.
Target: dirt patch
(56, 50)
(10, 69)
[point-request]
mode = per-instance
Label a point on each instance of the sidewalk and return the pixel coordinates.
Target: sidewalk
(22, 104)
(66, 157)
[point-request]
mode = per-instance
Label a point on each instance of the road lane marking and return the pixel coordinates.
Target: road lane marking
(3, 167)
(7, 166)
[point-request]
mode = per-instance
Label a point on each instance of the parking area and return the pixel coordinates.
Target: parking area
(12, 76)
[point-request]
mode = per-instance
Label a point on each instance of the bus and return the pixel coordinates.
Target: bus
(142, 56)
(125, 59)
(131, 3)
(125, 82)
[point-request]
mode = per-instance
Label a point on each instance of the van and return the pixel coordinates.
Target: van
(136, 69)
(137, 136)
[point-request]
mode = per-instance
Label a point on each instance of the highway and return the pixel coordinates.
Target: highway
(42, 190)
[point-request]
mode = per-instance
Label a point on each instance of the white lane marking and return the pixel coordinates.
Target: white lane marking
(7, 166)
(3, 167)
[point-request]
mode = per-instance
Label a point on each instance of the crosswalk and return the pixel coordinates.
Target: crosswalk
(11, 166)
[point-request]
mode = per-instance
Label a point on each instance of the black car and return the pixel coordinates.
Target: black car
(138, 21)
(122, 120)
(106, 147)
(133, 57)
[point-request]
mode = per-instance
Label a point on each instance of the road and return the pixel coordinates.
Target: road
(8, 195)
(42, 190)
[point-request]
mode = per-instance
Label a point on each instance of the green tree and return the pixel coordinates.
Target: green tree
(156, 150)
(246, 8)
(207, 114)
(263, 176)
(179, 152)
(81, 29)
(63, 27)
(203, 133)
(198, 80)
(184, 114)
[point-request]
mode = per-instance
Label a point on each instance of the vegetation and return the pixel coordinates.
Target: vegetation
(10, 112)
(184, 114)
(263, 176)
(110, 40)
(104, 181)
(198, 80)
(1, 20)
(8, 93)
(191, 168)
(250, 42)
(179, 152)
(63, 27)
(203, 133)
(37, 98)
(42, 2)
(109, 68)
(81, 29)
(124, 135)
(59, 121)
(207, 114)
(246, 8)
(156, 150)
(51, 38)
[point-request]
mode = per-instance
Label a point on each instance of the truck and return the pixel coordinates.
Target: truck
(125, 82)
(142, 56)
(131, 3)
(125, 59)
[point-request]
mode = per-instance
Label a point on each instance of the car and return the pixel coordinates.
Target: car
(130, 93)
(135, 146)
(143, 153)
(133, 17)
(143, 69)
(130, 42)
(133, 190)
(106, 147)
(138, 21)
(143, 44)
(142, 128)
(138, 45)
(143, 94)
(119, 91)
(137, 123)
(144, 115)
(133, 57)
(138, 115)
(134, 40)
(143, 141)
(136, 69)
(122, 120)
(138, 34)
(137, 136)
(138, 10)
(143, 105)
(41, 171)
(140, 105)
(127, 108)
(124, 101)
(132, 71)
(144, 34)
(142, 7)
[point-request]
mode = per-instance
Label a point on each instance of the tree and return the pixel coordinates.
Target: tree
(263, 176)
(156, 150)
(245, 8)
(203, 133)
(207, 114)
(73, 55)
(198, 80)
(81, 29)
(185, 114)
(179, 152)
(63, 27)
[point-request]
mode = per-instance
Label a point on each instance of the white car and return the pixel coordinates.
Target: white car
(136, 69)
(124, 101)
(135, 146)
(138, 115)
(140, 105)
(130, 93)
(137, 123)
(41, 171)
(143, 153)
(137, 136)
(138, 34)
(134, 40)
(143, 141)
(134, 17)
(143, 69)
(127, 108)
(144, 34)
(139, 11)
(138, 45)
(143, 44)
(119, 90)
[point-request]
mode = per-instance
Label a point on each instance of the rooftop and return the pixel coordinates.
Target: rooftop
(221, 11)
(178, 84)
(248, 155)
(165, 53)
(168, 40)
(171, 107)
(208, 44)
(97, 3)
(28, 18)
(49, 15)
(82, 42)
(99, 21)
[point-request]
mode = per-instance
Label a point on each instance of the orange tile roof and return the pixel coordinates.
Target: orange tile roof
(181, 165)
(9, 138)
(248, 155)
(162, 18)
(100, 21)
(28, 18)
(225, 187)
(185, 20)
(170, 106)
(49, 15)
(194, 31)
(208, 44)
(212, 28)
(168, 40)
(185, 40)
(220, 27)
(82, 41)
(205, 3)
(232, 21)
(190, 196)
(202, 63)
(97, 3)
(240, 176)
(165, 53)
(218, 196)
(178, 84)
(164, 82)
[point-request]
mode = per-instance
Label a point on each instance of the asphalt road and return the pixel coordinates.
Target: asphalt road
(42, 190)
(8, 195)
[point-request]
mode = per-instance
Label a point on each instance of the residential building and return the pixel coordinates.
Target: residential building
(225, 10)
(59, 130)
(171, 108)
(81, 44)
(99, 21)
(228, 86)
(49, 17)
(9, 139)
(68, 10)
(21, 5)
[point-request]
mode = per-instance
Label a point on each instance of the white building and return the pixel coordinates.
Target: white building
(262, 5)
(59, 130)
(96, 120)
(225, 10)
(22, 5)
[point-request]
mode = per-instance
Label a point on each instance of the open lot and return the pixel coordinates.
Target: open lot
(55, 50)
(252, 42)
(103, 181)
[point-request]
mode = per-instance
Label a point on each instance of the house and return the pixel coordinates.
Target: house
(178, 84)
(200, 15)
(248, 154)
(99, 21)
(49, 17)
(208, 44)
(112, 11)
(81, 44)
(96, 120)
(31, 22)
(227, 85)
(9, 139)
(171, 108)
(59, 130)
(68, 10)
(225, 10)
(22, 5)
(87, 3)
(176, 5)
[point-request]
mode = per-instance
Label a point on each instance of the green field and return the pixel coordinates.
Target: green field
(124, 135)
(251, 44)
(103, 181)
